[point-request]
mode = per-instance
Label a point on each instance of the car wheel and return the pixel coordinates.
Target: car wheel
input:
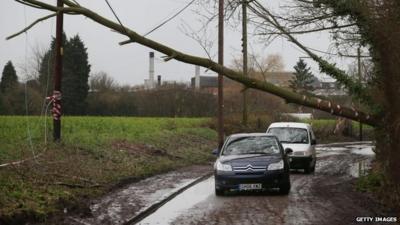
(307, 170)
(219, 192)
(313, 167)
(310, 168)
(284, 188)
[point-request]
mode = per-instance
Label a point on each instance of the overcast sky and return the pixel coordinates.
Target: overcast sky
(129, 64)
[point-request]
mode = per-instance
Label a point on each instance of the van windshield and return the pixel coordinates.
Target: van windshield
(252, 145)
(290, 134)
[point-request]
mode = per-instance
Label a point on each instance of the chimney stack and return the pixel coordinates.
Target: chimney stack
(159, 80)
(197, 78)
(151, 71)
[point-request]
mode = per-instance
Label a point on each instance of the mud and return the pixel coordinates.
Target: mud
(326, 197)
(123, 204)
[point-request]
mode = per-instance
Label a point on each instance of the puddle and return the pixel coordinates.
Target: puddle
(354, 148)
(362, 150)
(360, 168)
(327, 151)
(322, 149)
(123, 204)
(338, 144)
(180, 204)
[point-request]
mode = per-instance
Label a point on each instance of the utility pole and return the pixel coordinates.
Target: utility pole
(359, 80)
(244, 47)
(220, 76)
(56, 98)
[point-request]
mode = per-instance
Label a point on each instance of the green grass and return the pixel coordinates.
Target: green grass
(371, 182)
(95, 151)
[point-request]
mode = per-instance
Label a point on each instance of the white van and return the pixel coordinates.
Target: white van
(300, 138)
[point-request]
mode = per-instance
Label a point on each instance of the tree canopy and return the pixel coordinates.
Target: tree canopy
(75, 78)
(76, 69)
(9, 78)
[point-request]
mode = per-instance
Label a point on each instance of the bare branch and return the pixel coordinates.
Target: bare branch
(354, 88)
(20, 161)
(126, 42)
(311, 30)
(27, 4)
(203, 41)
(31, 25)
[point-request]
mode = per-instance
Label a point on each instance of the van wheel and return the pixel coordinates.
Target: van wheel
(284, 188)
(307, 170)
(219, 192)
(312, 170)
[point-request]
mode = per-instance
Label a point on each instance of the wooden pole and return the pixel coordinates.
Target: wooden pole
(360, 132)
(58, 76)
(245, 69)
(220, 76)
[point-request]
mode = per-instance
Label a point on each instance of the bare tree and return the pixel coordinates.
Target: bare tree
(30, 68)
(101, 81)
(260, 66)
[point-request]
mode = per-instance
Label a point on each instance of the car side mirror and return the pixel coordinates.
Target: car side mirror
(288, 151)
(215, 151)
(313, 142)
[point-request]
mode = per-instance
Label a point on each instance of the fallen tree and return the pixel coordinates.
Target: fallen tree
(289, 96)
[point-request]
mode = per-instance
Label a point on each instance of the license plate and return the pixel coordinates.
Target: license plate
(250, 186)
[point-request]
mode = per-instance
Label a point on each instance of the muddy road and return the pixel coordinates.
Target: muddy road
(326, 197)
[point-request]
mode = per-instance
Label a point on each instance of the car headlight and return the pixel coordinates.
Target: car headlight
(276, 166)
(222, 167)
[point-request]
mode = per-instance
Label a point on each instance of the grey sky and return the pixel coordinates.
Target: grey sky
(129, 64)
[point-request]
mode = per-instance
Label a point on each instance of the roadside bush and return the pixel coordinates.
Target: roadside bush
(20, 101)
(233, 123)
(371, 182)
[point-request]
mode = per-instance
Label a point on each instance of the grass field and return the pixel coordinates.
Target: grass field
(95, 154)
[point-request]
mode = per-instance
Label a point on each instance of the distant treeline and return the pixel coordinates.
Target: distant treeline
(168, 100)
(97, 94)
(172, 100)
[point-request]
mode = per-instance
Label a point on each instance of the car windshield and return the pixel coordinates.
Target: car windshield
(252, 145)
(290, 134)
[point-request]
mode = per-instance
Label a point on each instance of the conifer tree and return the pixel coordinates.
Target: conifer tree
(9, 79)
(303, 77)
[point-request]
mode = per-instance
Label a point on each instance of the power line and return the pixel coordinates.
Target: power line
(336, 54)
(170, 18)
(28, 129)
(119, 21)
(156, 27)
(330, 53)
